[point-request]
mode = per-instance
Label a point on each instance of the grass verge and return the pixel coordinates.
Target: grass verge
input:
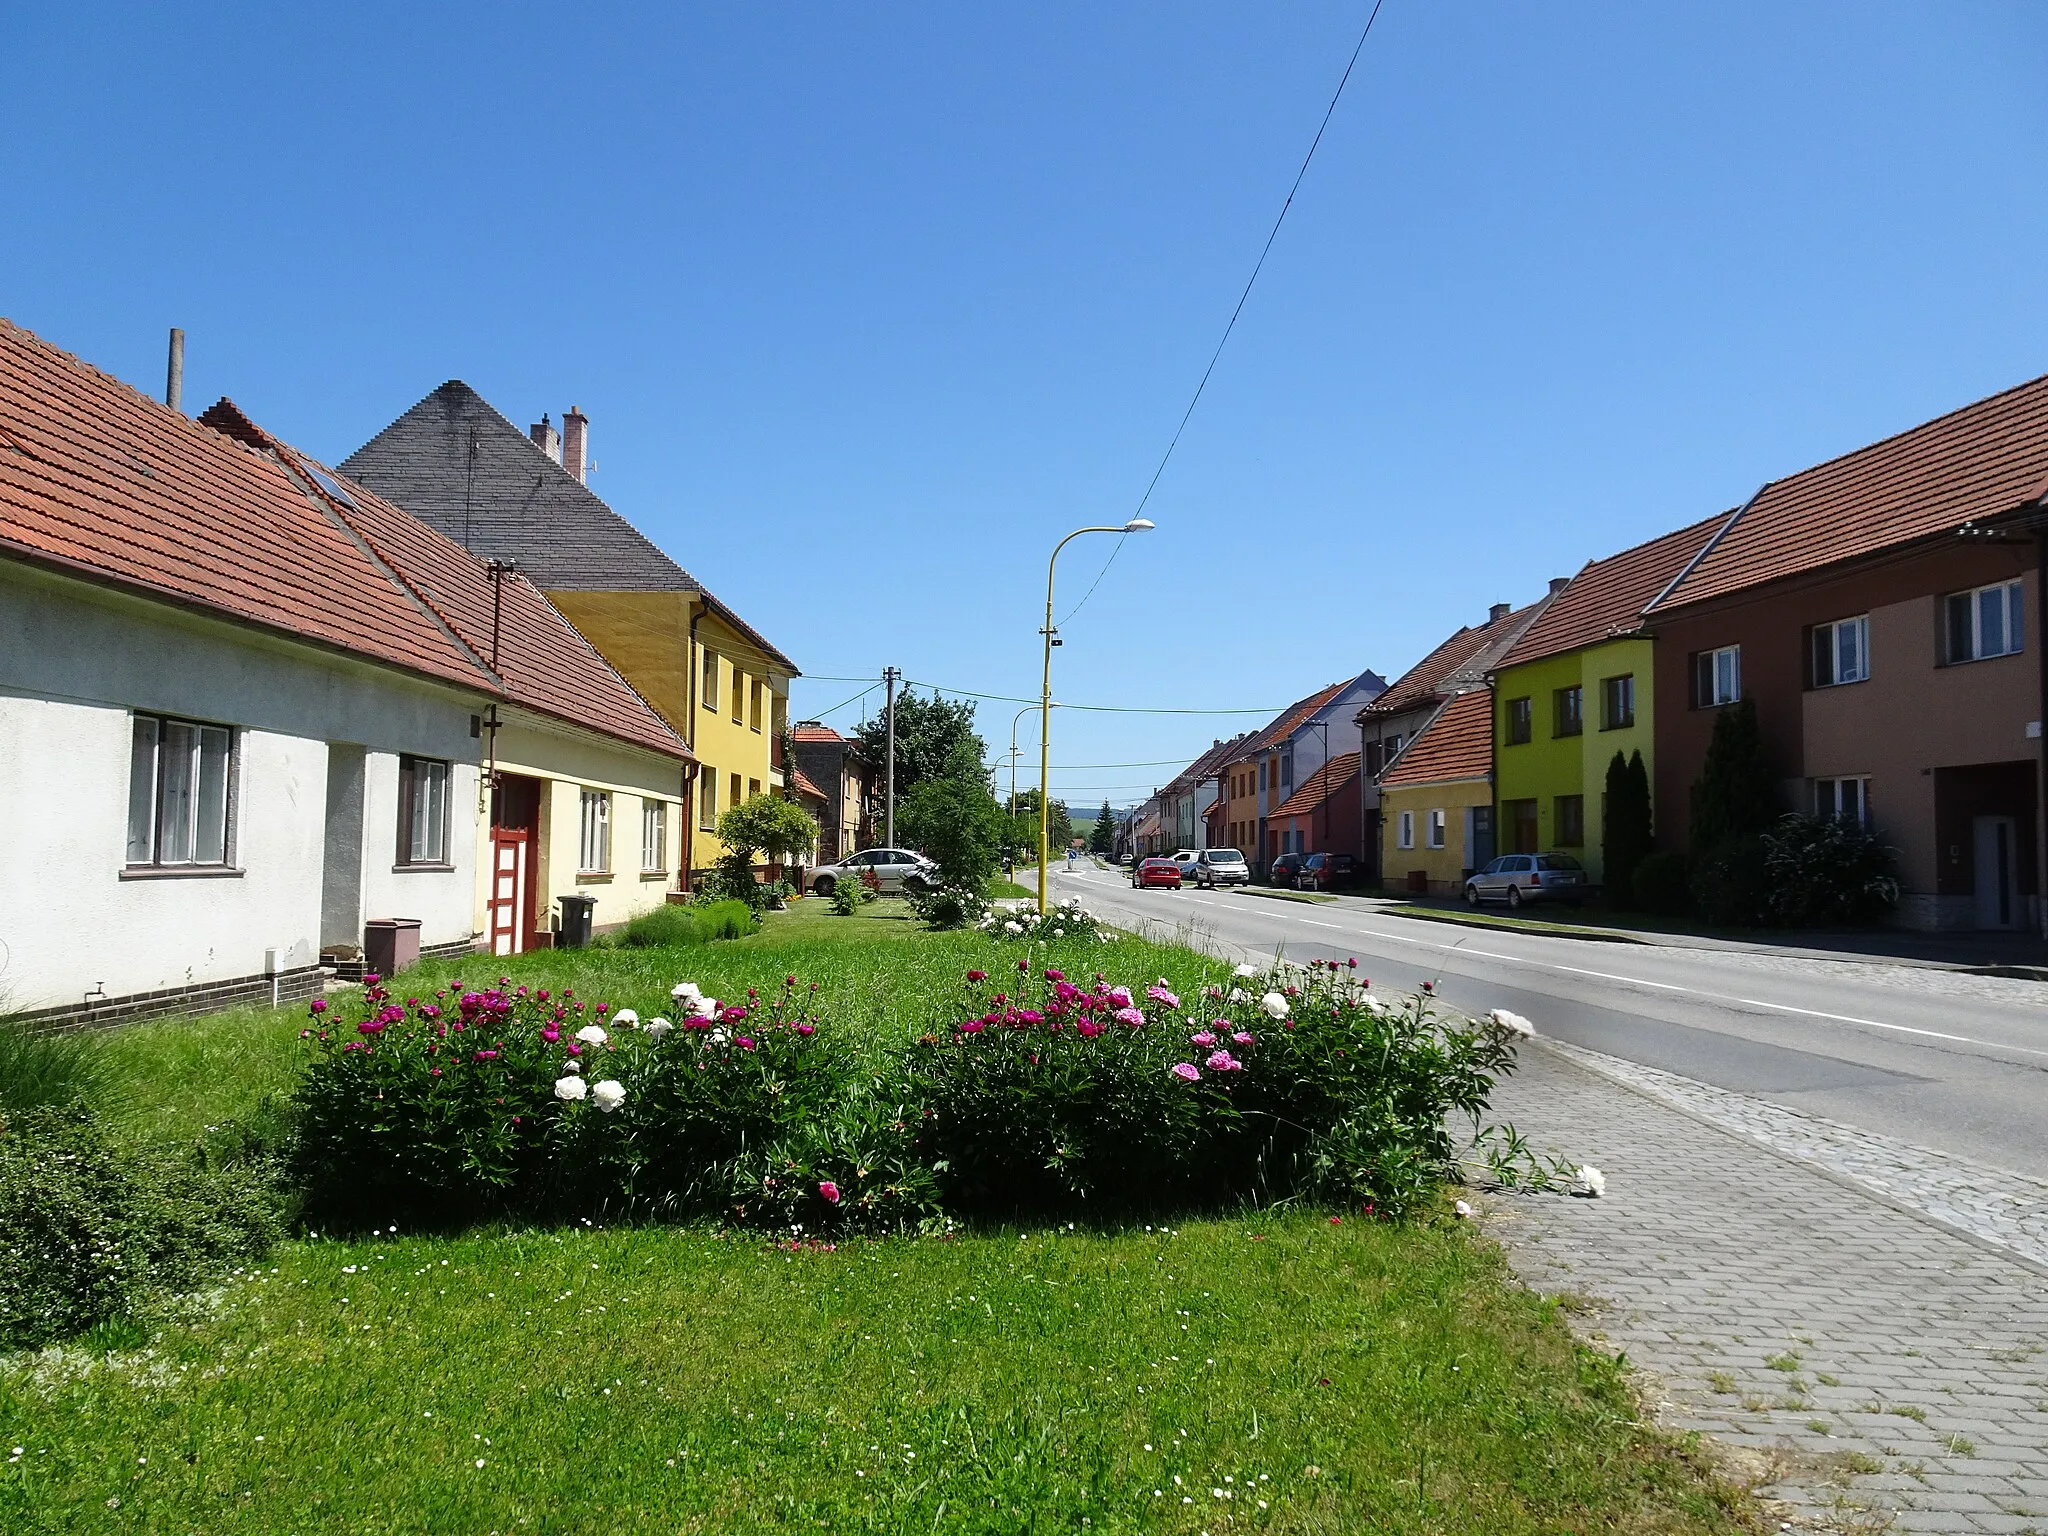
(1518, 924)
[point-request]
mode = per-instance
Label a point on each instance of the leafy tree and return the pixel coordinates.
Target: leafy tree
(930, 735)
(1023, 830)
(1734, 804)
(766, 823)
(1625, 840)
(1102, 836)
(1828, 870)
(953, 820)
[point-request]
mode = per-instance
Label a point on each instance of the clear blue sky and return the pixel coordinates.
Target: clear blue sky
(869, 305)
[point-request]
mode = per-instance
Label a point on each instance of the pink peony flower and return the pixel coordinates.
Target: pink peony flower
(371, 1027)
(551, 1034)
(1088, 1029)
(807, 1029)
(1055, 975)
(971, 1027)
(1243, 1037)
(318, 1005)
(1223, 1061)
(1129, 1016)
(1186, 1071)
(745, 1042)
(830, 1191)
(486, 1055)
(1161, 995)
(1202, 1038)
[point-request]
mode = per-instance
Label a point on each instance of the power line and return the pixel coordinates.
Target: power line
(871, 687)
(1257, 267)
(1100, 709)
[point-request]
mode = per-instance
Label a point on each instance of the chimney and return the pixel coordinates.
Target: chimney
(174, 375)
(1558, 584)
(1497, 612)
(546, 438)
(575, 441)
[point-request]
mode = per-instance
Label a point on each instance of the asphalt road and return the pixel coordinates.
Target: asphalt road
(1956, 1063)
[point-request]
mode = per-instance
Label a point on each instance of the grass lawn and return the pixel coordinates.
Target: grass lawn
(1275, 1372)
(1000, 889)
(1498, 920)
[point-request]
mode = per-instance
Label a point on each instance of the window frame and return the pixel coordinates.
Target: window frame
(653, 818)
(707, 798)
(1404, 829)
(1521, 721)
(1576, 821)
(739, 695)
(710, 684)
(409, 855)
(1831, 786)
(228, 759)
(755, 689)
(1568, 722)
(599, 800)
(1437, 829)
(1621, 685)
(2012, 591)
(1706, 677)
(1824, 652)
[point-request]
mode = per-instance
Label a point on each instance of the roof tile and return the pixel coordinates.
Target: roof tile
(1456, 744)
(1326, 783)
(1607, 598)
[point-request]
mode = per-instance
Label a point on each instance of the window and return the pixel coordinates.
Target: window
(1436, 829)
(1404, 836)
(738, 695)
(711, 680)
(1519, 721)
(734, 798)
(1569, 826)
(1262, 773)
(1841, 652)
(754, 691)
(178, 793)
(1716, 677)
(1618, 702)
(594, 849)
(1844, 799)
(753, 788)
(653, 837)
(707, 798)
(1984, 623)
(1287, 770)
(422, 811)
(1570, 706)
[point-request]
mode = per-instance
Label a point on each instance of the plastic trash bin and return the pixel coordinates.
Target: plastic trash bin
(390, 944)
(576, 912)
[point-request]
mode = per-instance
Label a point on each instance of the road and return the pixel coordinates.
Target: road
(1952, 1062)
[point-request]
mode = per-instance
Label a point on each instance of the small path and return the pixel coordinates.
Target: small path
(1879, 1370)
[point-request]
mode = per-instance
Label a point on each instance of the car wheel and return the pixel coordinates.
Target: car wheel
(824, 885)
(1514, 896)
(1471, 895)
(916, 883)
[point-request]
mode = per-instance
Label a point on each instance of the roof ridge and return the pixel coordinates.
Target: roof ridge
(1707, 548)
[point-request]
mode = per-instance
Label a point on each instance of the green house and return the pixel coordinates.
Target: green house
(1575, 690)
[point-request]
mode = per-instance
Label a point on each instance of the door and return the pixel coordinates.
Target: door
(1997, 869)
(509, 888)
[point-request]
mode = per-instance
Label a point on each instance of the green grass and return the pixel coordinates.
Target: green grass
(1273, 894)
(1000, 889)
(1353, 1376)
(1502, 920)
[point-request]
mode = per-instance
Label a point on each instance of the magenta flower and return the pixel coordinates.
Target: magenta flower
(371, 1027)
(1352, 962)
(1088, 1029)
(1024, 967)
(745, 1042)
(977, 975)
(1223, 1061)
(551, 1034)
(1202, 1038)
(371, 979)
(1186, 1071)
(807, 1029)
(1055, 975)
(971, 1027)
(1129, 1016)
(1121, 996)
(318, 1005)
(1244, 1037)
(486, 1055)
(830, 1191)
(1161, 995)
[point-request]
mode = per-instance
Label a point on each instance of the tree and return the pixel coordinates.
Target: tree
(930, 736)
(1023, 831)
(766, 823)
(1734, 804)
(951, 818)
(1625, 839)
(1102, 836)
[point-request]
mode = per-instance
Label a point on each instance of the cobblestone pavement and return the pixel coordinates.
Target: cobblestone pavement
(1885, 1373)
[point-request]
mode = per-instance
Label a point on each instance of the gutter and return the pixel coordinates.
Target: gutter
(694, 770)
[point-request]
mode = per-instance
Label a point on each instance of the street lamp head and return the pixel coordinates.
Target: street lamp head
(1139, 525)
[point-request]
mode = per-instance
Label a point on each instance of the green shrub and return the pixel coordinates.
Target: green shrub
(849, 896)
(1825, 870)
(90, 1232)
(1662, 884)
(1731, 885)
(674, 926)
(1068, 920)
(39, 1069)
(947, 906)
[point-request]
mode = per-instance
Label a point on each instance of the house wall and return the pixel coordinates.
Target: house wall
(1445, 867)
(1549, 765)
(76, 663)
(1332, 827)
(1913, 723)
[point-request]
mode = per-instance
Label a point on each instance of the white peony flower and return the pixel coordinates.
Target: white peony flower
(570, 1088)
(718, 1035)
(685, 991)
(1275, 1005)
(572, 1065)
(1462, 1210)
(1011, 928)
(1237, 995)
(656, 1028)
(626, 1018)
(608, 1095)
(1590, 1182)
(1513, 1023)
(1245, 970)
(592, 1034)
(1059, 933)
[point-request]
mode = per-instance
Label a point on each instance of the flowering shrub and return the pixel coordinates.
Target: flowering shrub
(947, 906)
(1068, 920)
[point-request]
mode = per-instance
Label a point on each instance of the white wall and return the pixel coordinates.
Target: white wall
(75, 663)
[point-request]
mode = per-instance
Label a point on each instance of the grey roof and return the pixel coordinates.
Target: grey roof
(456, 464)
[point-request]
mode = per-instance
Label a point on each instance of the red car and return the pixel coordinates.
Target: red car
(1156, 872)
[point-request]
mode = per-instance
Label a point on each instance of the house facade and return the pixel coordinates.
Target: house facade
(1186, 802)
(1577, 688)
(832, 763)
(1436, 800)
(1321, 816)
(458, 465)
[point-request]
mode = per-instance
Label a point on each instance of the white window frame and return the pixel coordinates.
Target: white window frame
(1439, 829)
(653, 837)
(1846, 796)
(710, 699)
(1404, 830)
(423, 838)
(594, 834)
(2011, 609)
(208, 775)
(1721, 672)
(1841, 652)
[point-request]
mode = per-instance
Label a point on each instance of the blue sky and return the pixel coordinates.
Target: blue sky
(869, 305)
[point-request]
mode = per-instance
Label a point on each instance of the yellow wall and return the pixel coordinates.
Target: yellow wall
(567, 764)
(1446, 866)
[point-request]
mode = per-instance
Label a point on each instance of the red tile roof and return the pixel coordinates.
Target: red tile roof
(1607, 598)
(102, 482)
(803, 786)
(811, 730)
(1456, 744)
(1280, 727)
(1979, 462)
(1324, 784)
(1469, 650)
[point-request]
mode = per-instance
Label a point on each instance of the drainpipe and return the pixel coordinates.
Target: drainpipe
(696, 770)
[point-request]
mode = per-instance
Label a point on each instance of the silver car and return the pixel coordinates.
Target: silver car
(1221, 866)
(897, 869)
(1517, 878)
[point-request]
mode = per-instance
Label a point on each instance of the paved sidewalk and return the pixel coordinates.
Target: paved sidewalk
(1885, 1373)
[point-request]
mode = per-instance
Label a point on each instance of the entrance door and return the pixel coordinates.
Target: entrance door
(1998, 887)
(509, 882)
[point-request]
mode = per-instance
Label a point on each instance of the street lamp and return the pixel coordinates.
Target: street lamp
(1135, 525)
(1014, 750)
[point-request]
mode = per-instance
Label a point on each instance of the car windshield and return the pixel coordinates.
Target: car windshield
(1558, 861)
(1224, 856)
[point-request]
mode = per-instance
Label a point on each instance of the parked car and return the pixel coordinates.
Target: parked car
(1156, 872)
(1327, 871)
(1185, 862)
(1284, 869)
(1221, 866)
(1517, 878)
(898, 869)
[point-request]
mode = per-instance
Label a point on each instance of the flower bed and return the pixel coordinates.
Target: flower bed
(1033, 1093)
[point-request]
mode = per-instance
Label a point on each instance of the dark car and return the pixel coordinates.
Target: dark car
(1156, 872)
(1326, 872)
(1284, 870)
(1517, 878)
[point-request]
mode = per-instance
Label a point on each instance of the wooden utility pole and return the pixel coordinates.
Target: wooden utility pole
(889, 676)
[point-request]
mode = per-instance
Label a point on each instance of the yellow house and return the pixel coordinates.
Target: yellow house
(1436, 799)
(455, 463)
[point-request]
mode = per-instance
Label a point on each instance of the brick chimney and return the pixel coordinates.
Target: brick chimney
(1558, 584)
(546, 438)
(575, 441)
(1498, 612)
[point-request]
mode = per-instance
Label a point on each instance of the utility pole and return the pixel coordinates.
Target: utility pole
(889, 676)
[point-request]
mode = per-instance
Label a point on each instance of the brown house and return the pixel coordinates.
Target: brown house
(1875, 608)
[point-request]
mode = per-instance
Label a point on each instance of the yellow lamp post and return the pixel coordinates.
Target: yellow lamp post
(1135, 525)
